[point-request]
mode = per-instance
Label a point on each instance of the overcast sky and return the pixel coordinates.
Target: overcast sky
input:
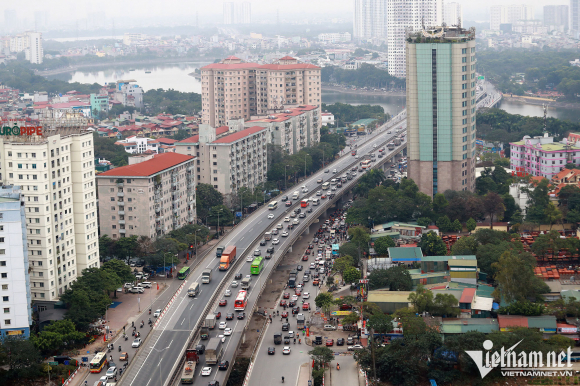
(173, 11)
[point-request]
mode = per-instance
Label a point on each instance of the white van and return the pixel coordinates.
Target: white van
(296, 195)
(334, 181)
(315, 201)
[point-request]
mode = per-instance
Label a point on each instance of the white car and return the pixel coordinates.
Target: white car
(306, 295)
(312, 266)
(284, 234)
(275, 241)
(305, 190)
(355, 347)
(294, 297)
(234, 284)
(228, 331)
(249, 258)
(222, 337)
(112, 372)
(286, 350)
(279, 226)
(271, 215)
(206, 371)
(319, 193)
(257, 252)
(136, 343)
(222, 325)
(328, 193)
(356, 156)
(228, 293)
(286, 219)
(157, 313)
(333, 188)
(333, 171)
(146, 284)
(295, 222)
(291, 334)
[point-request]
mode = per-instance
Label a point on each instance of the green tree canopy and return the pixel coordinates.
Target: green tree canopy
(432, 245)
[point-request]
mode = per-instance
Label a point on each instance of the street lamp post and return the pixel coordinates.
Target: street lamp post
(218, 225)
(305, 155)
(285, 179)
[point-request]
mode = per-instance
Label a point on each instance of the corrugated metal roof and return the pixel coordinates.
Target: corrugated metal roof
(482, 303)
(462, 263)
(506, 321)
(545, 322)
(467, 295)
(459, 326)
(405, 254)
(382, 296)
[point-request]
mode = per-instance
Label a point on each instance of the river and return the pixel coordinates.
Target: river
(176, 76)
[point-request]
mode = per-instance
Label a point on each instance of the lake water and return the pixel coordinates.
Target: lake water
(176, 76)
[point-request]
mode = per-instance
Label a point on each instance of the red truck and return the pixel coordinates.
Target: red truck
(228, 258)
(191, 361)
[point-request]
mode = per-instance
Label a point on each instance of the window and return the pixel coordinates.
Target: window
(7, 322)
(6, 310)
(4, 286)
(2, 251)
(3, 263)
(5, 298)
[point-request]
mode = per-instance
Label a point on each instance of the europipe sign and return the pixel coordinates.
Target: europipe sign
(24, 130)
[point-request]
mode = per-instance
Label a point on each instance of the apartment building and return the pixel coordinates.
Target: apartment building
(334, 37)
(556, 16)
(233, 89)
(55, 171)
(508, 14)
(541, 156)
(404, 16)
(441, 103)
(136, 145)
(14, 265)
(30, 43)
(129, 94)
(291, 129)
(148, 198)
(452, 14)
(230, 162)
(370, 19)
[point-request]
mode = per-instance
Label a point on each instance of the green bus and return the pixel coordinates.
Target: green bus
(183, 273)
(257, 265)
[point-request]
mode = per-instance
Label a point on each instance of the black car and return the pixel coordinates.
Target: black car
(268, 256)
(224, 365)
(286, 339)
(214, 383)
(241, 315)
(229, 316)
(297, 210)
(309, 210)
(200, 348)
(270, 250)
(299, 267)
(262, 243)
(295, 310)
(340, 342)
(291, 303)
(271, 350)
(238, 276)
(318, 340)
(285, 326)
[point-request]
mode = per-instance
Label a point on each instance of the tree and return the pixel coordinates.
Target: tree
(381, 323)
(324, 300)
(424, 221)
(321, 355)
(470, 225)
(351, 318)
(444, 224)
(220, 213)
(439, 204)
(465, 246)
(421, 299)
(120, 269)
(351, 275)
(516, 279)
(349, 249)
(145, 246)
(342, 263)
(382, 245)
(399, 279)
(181, 134)
(22, 355)
(445, 305)
(126, 247)
(378, 278)
(106, 246)
(493, 207)
(456, 226)
(57, 336)
(538, 201)
(207, 197)
(552, 214)
(432, 245)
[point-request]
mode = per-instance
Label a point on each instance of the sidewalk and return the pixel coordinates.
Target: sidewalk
(303, 375)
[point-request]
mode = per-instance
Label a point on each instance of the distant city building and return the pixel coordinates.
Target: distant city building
(229, 162)
(542, 157)
(574, 18)
(30, 43)
(129, 94)
(405, 15)
(529, 27)
(99, 103)
(260, 88)
(132, 38)
(136, 145)
(228, 13)
(327, 118)
(370, 19)
(148, 198)
(235, 13)
(452, 14)
(556, 16)
(441, 105)
(336, 37)
(508, 14)
(15, 269)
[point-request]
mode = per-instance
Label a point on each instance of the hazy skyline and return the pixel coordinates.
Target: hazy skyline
(179, 12)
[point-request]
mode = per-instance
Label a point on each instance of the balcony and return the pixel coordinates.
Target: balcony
(121, 213)
(122, 231)
(122, 222)
(120, 194)
(121, 203)
(176, 210)
(158, 227)
(119, 184)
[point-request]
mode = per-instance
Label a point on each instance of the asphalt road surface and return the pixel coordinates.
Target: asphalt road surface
(161, 352)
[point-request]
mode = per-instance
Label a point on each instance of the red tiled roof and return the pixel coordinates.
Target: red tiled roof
(231, 66)
(467, 295)
(287, 58)
(296, 66)
(166, 140)
(194, 139)
(506, 321)
(232, 57)
(147, 168)
(239, 135)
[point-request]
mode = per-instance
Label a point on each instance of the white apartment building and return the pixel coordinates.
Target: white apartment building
(14, 265)
(136, 145)
(336, 37)
(370, 19)
(34, 52)
(234, 13)
(231, 162)
(56, 174)
(148, 198)
(574, 18)
(507, 14)
(129, 94)
(452, 14)
(405, 15)
(292, 129)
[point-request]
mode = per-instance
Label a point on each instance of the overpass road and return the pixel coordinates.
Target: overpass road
(162, 349)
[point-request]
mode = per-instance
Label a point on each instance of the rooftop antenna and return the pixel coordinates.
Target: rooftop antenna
(545, 106)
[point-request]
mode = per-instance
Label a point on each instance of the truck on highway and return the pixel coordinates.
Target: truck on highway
(300, 321)
(210, 321)
(191, 361)
(296, 195)
(277, 338)
(193, 289)
(228, 258)
(268, 236)
(220, 250)
(246, 283)
(213, 351)
(206, 276)
(391, 146)
(292, 282)
(397, 141)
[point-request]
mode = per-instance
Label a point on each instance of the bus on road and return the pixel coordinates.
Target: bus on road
(98, 362)
(366, 164)
(241, 301)
(257, 265)
(183, 273)
(304, 203)
(273, 205)
(326, 185)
